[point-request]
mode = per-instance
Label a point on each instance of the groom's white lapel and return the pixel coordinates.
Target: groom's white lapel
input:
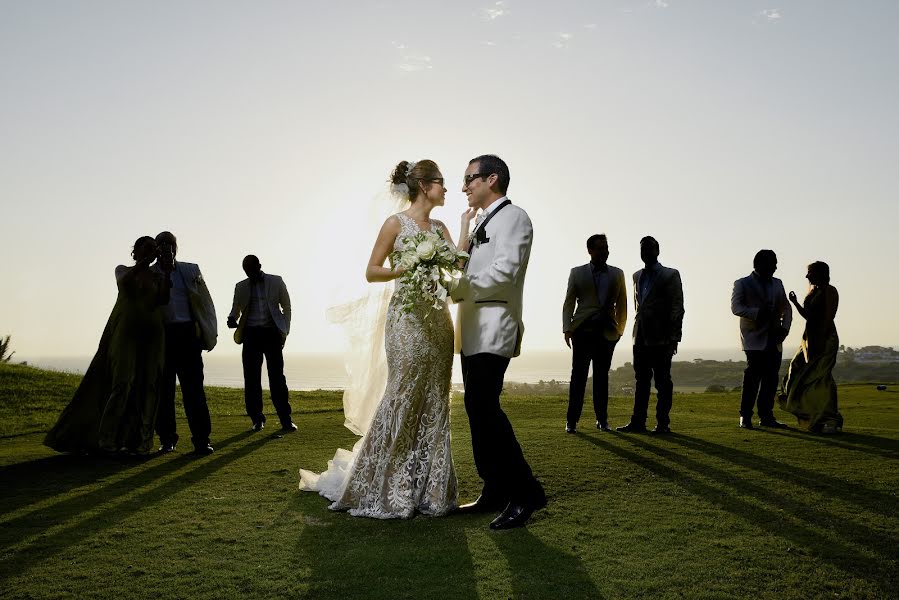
(490, 292)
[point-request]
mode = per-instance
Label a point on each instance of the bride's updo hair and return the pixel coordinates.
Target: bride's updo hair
(413, 175)
(144, 239)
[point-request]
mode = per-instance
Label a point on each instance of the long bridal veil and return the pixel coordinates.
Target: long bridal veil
(362, 314)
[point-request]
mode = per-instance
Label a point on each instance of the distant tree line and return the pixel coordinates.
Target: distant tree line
(871, 364)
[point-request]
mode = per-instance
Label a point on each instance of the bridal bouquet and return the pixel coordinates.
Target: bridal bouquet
(431, 264)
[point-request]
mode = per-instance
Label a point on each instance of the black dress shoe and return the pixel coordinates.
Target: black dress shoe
(481, 505)
(258, 426)
(204, 450)
(515, 515)
(570, 428)
(603, 426)
(167, 447)
(774, 424)
(631, 428)
(288, 427)
(746, 423)
(660, 430)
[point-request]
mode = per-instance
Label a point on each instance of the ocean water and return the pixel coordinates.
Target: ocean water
(326, 371)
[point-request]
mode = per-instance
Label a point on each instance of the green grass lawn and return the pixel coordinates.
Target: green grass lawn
(710, 512)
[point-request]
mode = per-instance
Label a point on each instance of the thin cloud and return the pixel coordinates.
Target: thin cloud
(590, 26)
(415, 62)
(411, 61)
(492, 13)
(563, 40)
(771, 15)
(662, 3)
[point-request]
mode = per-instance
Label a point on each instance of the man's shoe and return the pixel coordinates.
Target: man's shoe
(570, 428)
(258, 426)
(631, 428)
(603, 426)
(773, 424)
(204, 450)
(288, 427)
(515, 515)
(481, 505)
(167, 447)
(746, 423)
(660, 430)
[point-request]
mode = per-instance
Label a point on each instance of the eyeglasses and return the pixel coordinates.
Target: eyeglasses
(437, 180)
(469, 178)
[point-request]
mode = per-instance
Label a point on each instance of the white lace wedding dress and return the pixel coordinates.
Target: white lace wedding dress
(403, 464)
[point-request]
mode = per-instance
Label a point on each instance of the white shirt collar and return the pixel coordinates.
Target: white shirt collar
(493, 205)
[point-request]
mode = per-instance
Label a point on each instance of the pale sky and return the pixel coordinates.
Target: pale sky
(267, 127)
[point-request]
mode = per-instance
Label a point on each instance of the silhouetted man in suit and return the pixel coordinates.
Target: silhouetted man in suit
(659, 301)
(765, 315)
(593, 329)
(261, 315)
(190, 327)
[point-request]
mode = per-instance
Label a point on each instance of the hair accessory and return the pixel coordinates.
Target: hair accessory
(400, 189)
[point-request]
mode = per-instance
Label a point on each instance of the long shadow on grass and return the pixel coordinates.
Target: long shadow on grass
(356, 557)
(36, 480)
(859, 442)
(44, 547)
(828, 549)
(540, 571)
(846, 491)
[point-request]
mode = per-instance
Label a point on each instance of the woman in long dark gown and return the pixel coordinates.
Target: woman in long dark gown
(810, 391)
(114, 408)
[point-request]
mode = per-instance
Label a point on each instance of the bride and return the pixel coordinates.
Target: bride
(403, 464)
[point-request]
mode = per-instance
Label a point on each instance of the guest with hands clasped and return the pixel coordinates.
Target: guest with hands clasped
(658, 321)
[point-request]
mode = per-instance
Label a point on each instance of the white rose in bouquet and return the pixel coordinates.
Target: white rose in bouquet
(431, 265)
(426, 250)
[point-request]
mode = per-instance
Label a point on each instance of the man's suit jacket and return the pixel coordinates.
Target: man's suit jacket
(201, 308)
(490, 292)
(276, 298)
(748, 298)
(660, 317)
(582, 290)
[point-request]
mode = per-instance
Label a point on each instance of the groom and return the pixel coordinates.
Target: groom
(488, 335)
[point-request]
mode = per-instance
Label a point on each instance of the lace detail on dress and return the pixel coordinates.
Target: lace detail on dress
(404, 464)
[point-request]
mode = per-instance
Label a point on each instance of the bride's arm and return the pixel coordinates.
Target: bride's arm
(376, 271)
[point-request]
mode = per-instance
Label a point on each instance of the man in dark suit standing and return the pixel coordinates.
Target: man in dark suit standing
(190, 327)
(262, 305)
(593, 329)
(659, 301)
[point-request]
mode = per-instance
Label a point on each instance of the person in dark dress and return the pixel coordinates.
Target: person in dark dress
(114, 408)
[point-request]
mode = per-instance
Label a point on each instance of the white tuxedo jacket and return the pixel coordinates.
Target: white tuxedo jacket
(276, 298)
(489, 294)
(748, 298)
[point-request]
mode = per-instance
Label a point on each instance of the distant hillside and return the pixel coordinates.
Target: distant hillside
(872, 364)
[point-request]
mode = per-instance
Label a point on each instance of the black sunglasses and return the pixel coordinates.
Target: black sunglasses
(469, 178)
